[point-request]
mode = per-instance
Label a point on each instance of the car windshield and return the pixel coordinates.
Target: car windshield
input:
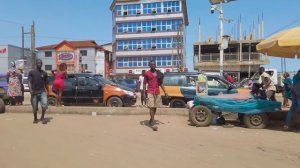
(104, 81)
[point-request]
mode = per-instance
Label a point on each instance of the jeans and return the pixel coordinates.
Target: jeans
(294, 108)
(40, 97)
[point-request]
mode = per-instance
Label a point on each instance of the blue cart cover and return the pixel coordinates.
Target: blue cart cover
(237, 103)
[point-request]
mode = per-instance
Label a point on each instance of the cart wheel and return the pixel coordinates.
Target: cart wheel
(200, 116)
(256, 121)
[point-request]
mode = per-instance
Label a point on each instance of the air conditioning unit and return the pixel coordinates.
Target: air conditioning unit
(139, 29)
(153, 10)
(169, 27)
(138, 11)
(153, 46)
(139, 47)
(153, 29)
(125, 13)
(125, 30)
(169, 9)
(126, 47)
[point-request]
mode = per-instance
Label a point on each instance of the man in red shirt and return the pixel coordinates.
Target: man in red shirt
(154, 79)
(228, 78)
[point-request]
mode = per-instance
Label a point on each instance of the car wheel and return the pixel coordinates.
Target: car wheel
(2, 106)
(256, 121)
(51, 101)
(177, 103)
(200, 116)
(114, 102)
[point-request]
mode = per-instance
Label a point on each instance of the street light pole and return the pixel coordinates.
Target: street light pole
(221, 18)
(221, 38)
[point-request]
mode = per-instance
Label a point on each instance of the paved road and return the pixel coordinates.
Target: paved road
(83, 141)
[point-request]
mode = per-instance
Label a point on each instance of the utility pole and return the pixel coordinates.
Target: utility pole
(23, 54)
(32, 48)
(179, 38)
(33, 56)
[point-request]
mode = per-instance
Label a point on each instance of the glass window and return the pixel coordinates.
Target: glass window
(119, 10)
(83, 52)
(48, 67)
(48, 53)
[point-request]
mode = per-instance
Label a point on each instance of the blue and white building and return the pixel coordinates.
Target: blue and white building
(145, 30)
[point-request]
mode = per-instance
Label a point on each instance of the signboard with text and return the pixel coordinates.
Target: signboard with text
(65, 56)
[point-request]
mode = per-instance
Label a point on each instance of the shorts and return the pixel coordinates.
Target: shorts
(40, 97)
(153, 101)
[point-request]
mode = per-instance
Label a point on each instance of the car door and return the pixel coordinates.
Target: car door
(89, 91)
(216, 86)
(188, 88)
(69, 91)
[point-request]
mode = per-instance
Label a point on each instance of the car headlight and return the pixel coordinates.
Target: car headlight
(129, 93)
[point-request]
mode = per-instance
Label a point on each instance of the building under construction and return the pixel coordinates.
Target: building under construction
(240, 59)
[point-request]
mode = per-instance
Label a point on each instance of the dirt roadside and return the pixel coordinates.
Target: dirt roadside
(126, 141)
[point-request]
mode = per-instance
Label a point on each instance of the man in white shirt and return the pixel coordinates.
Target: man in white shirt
(141, 82)
(267, 84)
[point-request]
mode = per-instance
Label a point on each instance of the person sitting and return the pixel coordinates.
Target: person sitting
(257, 92)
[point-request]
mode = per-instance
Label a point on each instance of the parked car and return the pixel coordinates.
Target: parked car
(4, 86)
(2, 104)
(181, 87)
(131, 83)
(3, 81)
(88, 88)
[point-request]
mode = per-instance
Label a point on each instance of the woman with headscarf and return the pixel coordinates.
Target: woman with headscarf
(14, 87)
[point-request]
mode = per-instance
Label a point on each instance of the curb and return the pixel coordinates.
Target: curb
(83, 110)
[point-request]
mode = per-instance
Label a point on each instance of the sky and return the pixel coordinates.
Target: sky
(58, 20)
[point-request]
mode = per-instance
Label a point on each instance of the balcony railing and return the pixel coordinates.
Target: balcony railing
(215, 57)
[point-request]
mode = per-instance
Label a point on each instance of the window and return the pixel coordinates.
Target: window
(83, 52)
(48, 67)
(142, 61)
(152, 8)
(146, 44)
(176, 80)
(85, 66)
(119, 10)
(70, 81)
(171, 6)
(48, 53)
(216, 83)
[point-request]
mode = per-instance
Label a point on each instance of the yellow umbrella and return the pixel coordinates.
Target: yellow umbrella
(283, 44)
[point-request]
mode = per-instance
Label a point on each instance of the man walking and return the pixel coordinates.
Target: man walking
(141, 88)
(154, 79)
(267, 84)
(38, 80)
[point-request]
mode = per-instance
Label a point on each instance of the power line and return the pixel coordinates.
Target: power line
(286, 26)
(12, 22)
